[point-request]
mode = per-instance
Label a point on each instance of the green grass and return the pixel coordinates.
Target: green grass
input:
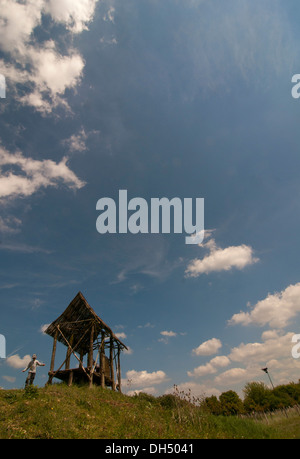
(61, 412)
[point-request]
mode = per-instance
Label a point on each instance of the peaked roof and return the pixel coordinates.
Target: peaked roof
(75, 321)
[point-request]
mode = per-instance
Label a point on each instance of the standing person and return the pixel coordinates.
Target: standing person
(32, 369)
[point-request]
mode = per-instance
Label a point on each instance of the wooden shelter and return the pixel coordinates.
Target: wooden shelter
(81, 330)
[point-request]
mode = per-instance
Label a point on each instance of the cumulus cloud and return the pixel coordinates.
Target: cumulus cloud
(208, 347)
(32, 174)
(247, 359)
(210, 367)
(145, 379)
(274, 346)
(46, 72)
(232, 376)
(168, 333)
(147, 390)
(276, 309)
(15, 361)
(196, 389)
(75, 14)
(221, 259)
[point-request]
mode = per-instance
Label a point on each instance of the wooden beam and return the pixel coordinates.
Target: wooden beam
(52, 375)
(70, 381)
(69, 352)
(119, 370)
(53, 357)
(90, 356)
(102, 360)
(81, 359)
(111, 362)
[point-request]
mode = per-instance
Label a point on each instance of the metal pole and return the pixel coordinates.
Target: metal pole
(266, 371)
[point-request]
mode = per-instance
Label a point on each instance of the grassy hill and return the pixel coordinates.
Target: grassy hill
(61, 412)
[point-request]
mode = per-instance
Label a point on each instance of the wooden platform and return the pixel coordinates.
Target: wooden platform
(79, 376)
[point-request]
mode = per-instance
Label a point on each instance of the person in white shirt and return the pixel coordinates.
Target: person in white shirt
(32, 369)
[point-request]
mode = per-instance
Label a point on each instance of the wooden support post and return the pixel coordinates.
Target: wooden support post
(90, 356)
(119, 370)
(102, 361)
(81, 359)
(70, 381)
(53, 357)
(69, 352)
(111, 362)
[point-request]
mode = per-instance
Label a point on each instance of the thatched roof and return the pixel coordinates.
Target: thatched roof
(76, 320)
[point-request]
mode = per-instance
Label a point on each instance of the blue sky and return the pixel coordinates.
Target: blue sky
(162, 99)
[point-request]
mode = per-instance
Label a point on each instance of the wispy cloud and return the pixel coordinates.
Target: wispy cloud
(10, 224)
(234, 41)
(23, 248)
(21, 176)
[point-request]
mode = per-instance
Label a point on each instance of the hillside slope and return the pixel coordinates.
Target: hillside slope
(61, 412)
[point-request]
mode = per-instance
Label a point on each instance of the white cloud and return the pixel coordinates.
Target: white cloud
(145, 379)
(202, 370)
(46, 72)
(77, 141)
(75, 14)
(168, 333)
(274, 351)
(10, 379)
(276, 310)
(121, 335)
(128, 351)
(232, 376)
(17, 362)
(208, 347)
(18, 20)
(34, 175)
(196, 389)
(220, 361)
(274, 346)
(210, 367)
(44, 328)
(221, 259)
(147, 390)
